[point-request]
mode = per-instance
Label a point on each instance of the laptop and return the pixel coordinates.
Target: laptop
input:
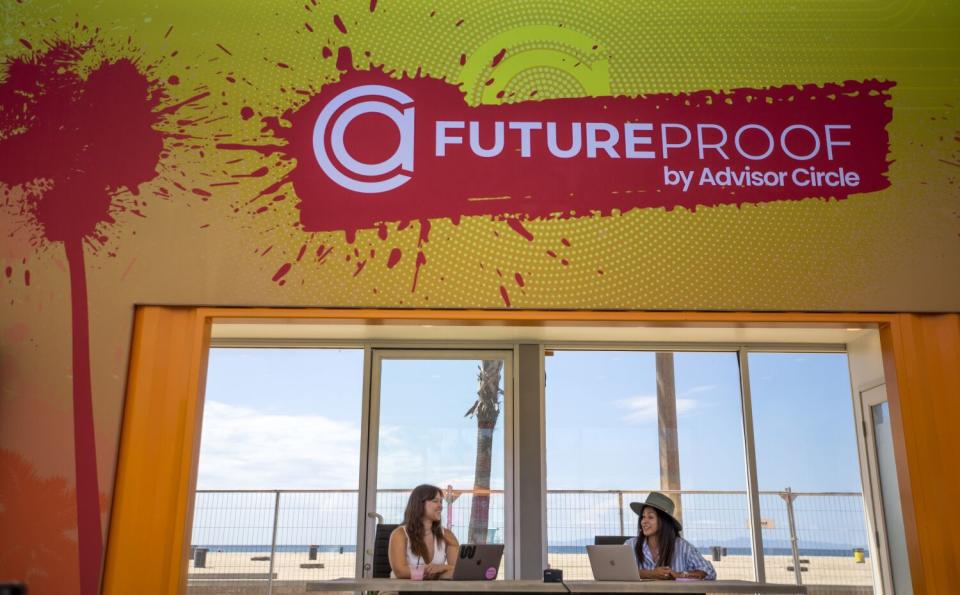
(613, 563)
(478, 562)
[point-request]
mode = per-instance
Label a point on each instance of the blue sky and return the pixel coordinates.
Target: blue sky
(290, 419)
(602, 424)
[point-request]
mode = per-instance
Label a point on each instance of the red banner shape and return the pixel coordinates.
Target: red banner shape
(400, 149)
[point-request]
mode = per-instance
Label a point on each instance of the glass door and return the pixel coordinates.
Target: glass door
(882, 470)
(441, 417)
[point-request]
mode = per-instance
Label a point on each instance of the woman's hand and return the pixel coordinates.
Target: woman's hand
(435, 571)
(660, 573)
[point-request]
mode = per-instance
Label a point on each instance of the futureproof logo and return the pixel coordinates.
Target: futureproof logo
(331, 151)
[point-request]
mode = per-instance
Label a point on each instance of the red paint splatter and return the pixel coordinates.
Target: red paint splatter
(303, 250)
(498, 57)
(518, 227)
(421, 260)
(167, 34)
(565, 242)
(176, 106)
(8, 271)
(246, 113)
(258, 173)
(373, 5)
(309, 28)
(518, 278)
(424, 231)
(173, 80)
(326, 52)
(90, 153)
(26, 44)
(360, 265)
(505, 295)
(97, 138)
(344, 59)
(26, 278)
(463, 59)
(339, 24)
(225, 50)
(394, 258)
(283, 270)
(323, 252)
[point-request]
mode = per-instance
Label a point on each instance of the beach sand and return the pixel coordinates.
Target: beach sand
(833, 570)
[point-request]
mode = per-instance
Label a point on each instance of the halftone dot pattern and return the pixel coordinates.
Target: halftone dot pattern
(546, 81)
(809, 254)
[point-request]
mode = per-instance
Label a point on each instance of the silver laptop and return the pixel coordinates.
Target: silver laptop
(613, 563)
(478, 562)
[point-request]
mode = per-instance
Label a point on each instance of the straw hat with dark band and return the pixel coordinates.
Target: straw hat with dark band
(661, 502)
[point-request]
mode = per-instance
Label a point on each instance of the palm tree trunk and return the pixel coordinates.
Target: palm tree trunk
(89, 532)
(487, 412)
(480, 508)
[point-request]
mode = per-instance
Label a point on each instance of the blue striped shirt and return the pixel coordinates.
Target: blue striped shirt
(685, 558)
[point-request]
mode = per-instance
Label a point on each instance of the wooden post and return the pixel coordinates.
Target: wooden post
(667, 425)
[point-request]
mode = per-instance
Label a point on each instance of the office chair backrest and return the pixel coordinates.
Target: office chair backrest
(381, 547)
(610, 539)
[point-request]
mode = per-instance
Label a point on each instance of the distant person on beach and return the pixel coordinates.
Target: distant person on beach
(660, 551)
(420, 548)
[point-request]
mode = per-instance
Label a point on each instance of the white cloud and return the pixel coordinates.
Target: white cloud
(243, 448)
(642, 409)
(703, 388)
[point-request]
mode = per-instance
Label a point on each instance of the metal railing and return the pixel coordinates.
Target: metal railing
(278, 536)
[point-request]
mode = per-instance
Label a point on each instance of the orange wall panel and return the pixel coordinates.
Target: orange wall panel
(922, 367)
(147, 545)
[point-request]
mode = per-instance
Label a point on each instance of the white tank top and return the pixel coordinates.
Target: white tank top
(439, 554)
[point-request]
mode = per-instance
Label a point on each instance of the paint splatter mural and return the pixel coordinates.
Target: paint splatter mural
(74, 137)
(440, 155)
(516, 168)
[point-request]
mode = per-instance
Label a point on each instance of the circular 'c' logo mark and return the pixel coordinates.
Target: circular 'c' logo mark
(332, 154)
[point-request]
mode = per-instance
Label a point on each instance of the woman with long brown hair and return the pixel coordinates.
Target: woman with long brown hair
(660, 551)
(420, 548)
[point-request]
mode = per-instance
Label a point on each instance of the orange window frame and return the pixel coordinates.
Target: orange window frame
(156, 472)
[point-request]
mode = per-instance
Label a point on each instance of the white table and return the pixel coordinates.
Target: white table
(529, 586)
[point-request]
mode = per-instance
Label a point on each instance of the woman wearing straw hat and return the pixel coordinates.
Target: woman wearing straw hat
(661, 552)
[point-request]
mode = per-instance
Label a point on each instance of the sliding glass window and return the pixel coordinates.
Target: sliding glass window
(279, 467)
(622, 423)
(441, 422)
(811, 500)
